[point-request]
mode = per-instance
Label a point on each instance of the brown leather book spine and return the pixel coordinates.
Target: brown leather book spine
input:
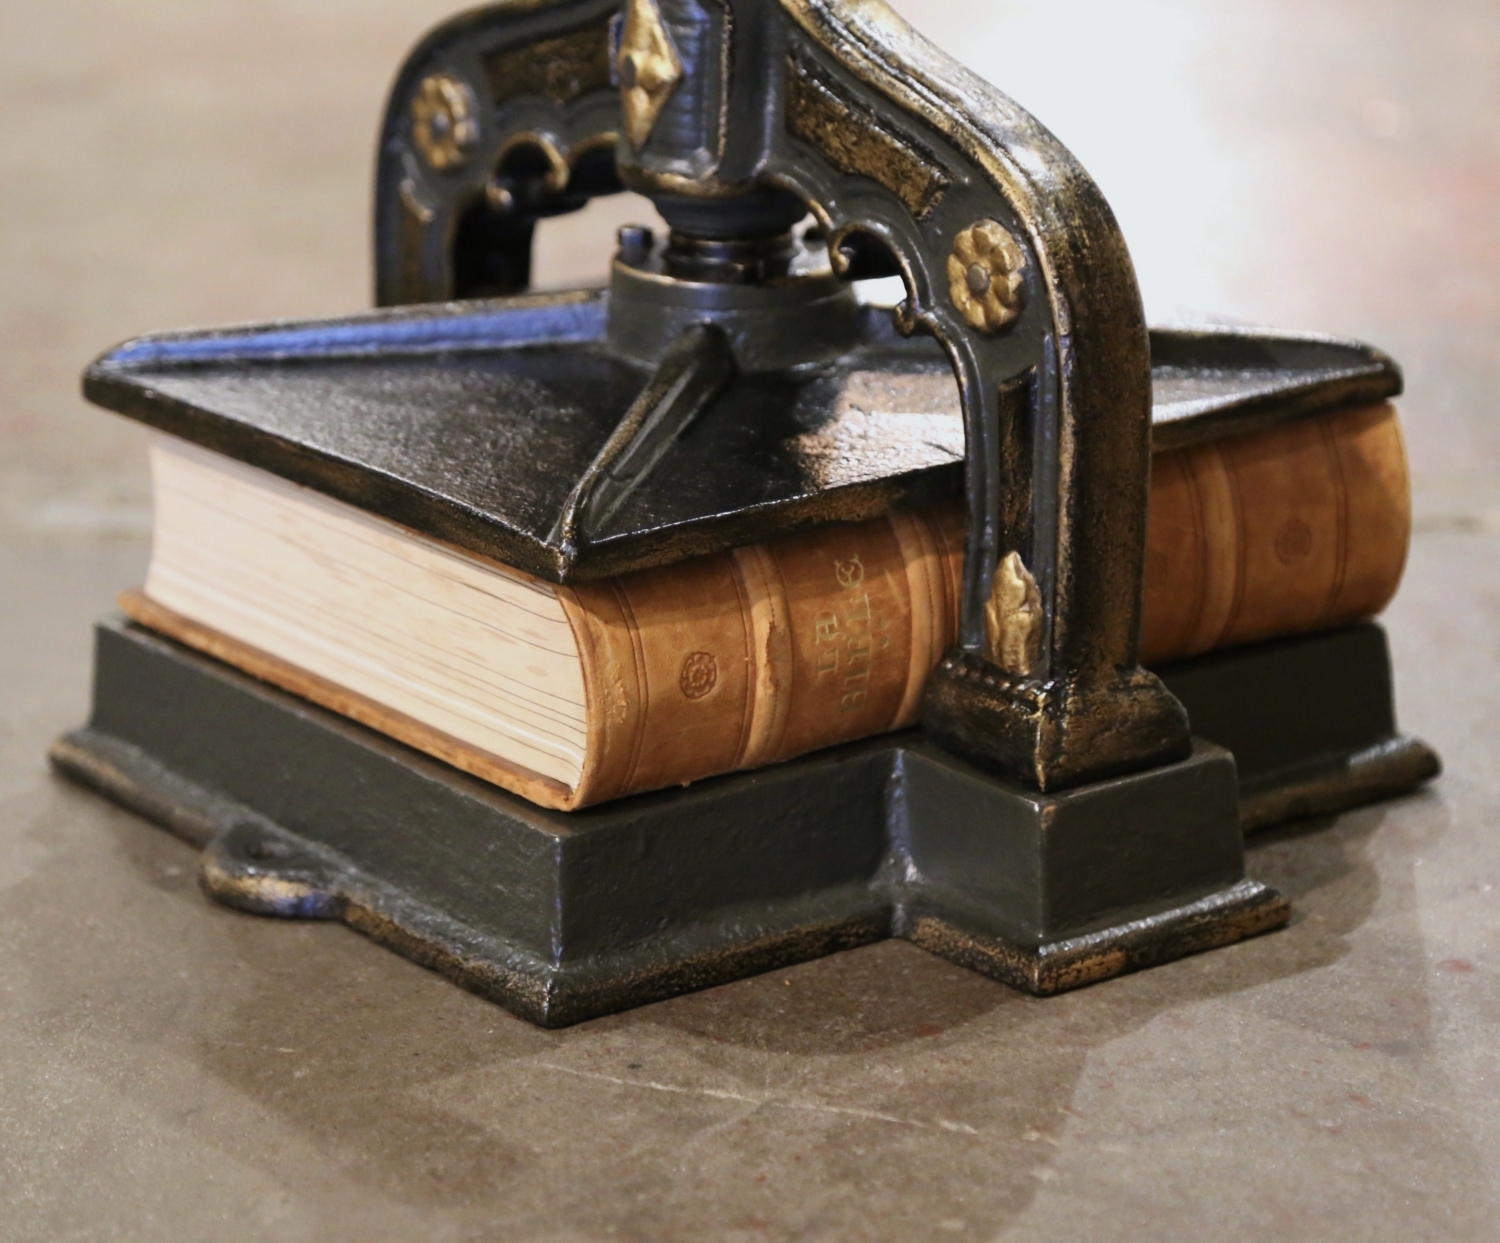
(1299, 527)
(764, 653)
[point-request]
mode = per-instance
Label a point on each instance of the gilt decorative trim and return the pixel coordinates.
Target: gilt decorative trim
(854, 141)
(984, 275)
(445, 121)
(1013, 618)
(650, 70)
(560, 69)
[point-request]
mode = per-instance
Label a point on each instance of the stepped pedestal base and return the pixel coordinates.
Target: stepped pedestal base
(564, 916)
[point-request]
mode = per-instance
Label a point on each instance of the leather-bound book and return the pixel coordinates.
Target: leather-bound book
(572, 695)
(1299, 527)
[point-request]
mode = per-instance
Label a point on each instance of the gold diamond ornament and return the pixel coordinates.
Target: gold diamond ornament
(984, 275)
(650, 70)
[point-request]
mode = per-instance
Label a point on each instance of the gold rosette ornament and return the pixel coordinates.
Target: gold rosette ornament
(984, 275)
(445, 121)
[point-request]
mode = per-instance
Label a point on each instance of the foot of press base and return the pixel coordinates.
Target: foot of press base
(1233, 914)
(565, 916)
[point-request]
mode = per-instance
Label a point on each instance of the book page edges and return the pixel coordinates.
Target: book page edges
(544, 791)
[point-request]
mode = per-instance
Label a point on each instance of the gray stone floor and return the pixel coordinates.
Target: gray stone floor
(171, 1070)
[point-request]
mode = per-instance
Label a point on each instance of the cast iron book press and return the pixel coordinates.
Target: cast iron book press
(1053, 823)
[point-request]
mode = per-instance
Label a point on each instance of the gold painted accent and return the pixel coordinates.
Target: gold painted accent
(559, 171)
(650, 70)
(418, 210)
(445, 121)
(984, 275)
(1013, 618)
(415, 218)
(856, 142)
(559, 70)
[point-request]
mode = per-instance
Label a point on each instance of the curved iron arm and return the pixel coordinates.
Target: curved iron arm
(1010, 257)
(499, 117)
(1057, 410)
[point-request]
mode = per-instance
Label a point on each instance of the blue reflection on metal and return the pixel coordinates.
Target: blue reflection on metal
(516, 322)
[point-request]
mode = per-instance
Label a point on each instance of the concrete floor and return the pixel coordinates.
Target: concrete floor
(171, 1070)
